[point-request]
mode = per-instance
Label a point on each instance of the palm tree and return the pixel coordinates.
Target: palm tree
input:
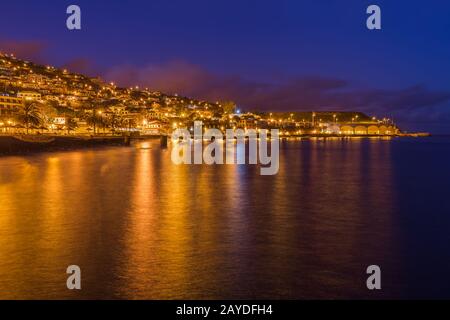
(71, 124)
(115, 121)
(30, 114)
(93, 118)
(94, 121)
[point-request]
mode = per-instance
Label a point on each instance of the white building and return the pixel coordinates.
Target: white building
(29, 95)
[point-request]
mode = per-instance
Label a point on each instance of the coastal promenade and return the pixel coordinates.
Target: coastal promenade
(22, 144)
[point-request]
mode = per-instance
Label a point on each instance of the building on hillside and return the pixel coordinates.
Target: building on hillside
(153, 127)
(59, 120)
(247, 121)
(10, 105)
(29, 95)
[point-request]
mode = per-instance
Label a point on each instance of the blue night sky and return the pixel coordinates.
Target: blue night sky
(278, 55)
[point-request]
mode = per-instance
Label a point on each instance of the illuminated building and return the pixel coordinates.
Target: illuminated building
(29, 95)
(9, 105)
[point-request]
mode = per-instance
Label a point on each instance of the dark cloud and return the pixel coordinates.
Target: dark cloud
(416, 103)
(173, 77)
(26, 49)
(38, 52)
(81, 65)
(290, 94)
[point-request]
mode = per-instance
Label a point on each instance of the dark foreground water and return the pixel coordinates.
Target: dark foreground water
(142, 228)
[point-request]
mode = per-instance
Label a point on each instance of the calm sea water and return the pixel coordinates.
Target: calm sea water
(142, 228)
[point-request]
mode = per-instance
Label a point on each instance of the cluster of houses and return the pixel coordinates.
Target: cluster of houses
(90, 102)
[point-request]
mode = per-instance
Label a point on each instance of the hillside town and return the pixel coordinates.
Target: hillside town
(44, 100)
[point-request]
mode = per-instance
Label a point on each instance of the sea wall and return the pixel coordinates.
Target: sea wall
(24, 144)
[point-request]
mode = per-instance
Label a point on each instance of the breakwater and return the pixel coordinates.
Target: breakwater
(18, 144)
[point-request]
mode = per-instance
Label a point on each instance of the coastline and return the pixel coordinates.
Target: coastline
(24, 144)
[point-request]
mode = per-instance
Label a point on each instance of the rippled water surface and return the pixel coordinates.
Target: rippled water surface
(142, 228)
